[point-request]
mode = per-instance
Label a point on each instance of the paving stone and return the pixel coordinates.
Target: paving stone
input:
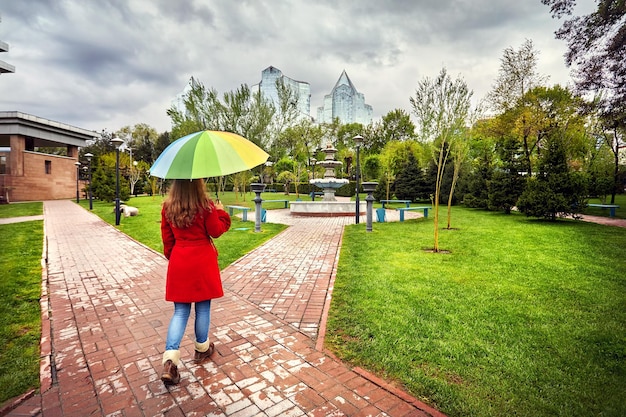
(106, 324)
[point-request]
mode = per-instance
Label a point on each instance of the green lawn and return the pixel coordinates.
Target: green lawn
(21, 209)
(20, 312)
(522, 317)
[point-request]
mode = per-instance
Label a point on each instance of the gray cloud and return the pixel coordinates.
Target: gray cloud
(106, 64)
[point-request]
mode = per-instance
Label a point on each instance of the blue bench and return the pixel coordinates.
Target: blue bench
(278, 201)
(611, 208)
(231, 211)
(403, 209)
(314, 194)
(406, 202)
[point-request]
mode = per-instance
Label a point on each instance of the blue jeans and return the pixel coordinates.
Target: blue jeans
(178, 323)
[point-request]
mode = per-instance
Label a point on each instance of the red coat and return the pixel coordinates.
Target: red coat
(192, 273)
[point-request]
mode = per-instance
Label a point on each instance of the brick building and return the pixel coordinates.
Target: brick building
(27, 172)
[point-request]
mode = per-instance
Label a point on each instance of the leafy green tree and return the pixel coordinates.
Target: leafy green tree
(473, 187)
(162, 142)
(140, 140)
(103, 184)
(596, 49)
(555, 191)
(507, 182)
(407, 182)
(395, 125)
(372, 167)
(393, 158)
(298, 141)
(286, 178)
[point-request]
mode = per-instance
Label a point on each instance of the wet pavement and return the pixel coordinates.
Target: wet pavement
(105, 320)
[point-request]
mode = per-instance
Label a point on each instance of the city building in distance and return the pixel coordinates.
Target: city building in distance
(345, 103)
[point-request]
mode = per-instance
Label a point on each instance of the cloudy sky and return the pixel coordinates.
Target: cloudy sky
(105, 64)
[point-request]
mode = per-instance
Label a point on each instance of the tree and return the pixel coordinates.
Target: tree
(555, 191)
(596, 49)
(442, 107)
(482, 159)
(372, 167)
(408, 180)
(137, 172)
(517, 75)
(507, 182)
(395, 125)
(393, 158)
(140, 140)
(103, 179)
(459, 151)
(298, 141)
(612, 138)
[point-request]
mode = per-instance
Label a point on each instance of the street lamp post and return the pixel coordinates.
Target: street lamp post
(313, 162)
(257, 188)
(89, 156)
(358, 141)
(77, 176)
(369, 188)
(117, 142)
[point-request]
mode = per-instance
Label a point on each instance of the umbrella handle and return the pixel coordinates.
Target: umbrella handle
(217, 195)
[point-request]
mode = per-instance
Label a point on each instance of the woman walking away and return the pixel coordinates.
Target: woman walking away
(189, 221)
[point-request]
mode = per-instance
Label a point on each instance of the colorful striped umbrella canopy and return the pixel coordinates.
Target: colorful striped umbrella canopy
(205, 154)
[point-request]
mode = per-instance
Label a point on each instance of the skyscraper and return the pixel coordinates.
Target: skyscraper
(268, 89)
(345, 103)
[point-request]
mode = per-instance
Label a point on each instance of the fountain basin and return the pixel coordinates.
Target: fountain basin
(326, 208)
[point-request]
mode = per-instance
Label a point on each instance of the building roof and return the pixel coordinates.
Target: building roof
(44, 132)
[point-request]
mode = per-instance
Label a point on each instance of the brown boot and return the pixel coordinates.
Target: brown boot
(199, 356)
(170, 375)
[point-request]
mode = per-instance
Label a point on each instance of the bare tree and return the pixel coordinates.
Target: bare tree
(517, 75)
(441, 107)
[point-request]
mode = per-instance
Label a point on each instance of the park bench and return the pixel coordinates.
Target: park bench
(406, 202)
(278, 201)
(244, 217)
(314, 194)
(611, 208)
(403, 209)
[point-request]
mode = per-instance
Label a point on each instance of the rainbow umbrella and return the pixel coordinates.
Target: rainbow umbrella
(205, 154)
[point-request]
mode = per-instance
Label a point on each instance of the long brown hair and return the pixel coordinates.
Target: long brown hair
(184, 200)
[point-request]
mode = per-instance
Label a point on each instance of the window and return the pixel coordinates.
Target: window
(48, 167)
(3, 164)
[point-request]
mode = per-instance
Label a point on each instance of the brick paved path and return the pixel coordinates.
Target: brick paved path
(105, 321)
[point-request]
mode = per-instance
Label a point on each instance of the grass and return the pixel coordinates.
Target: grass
(21, 209)
(20, 312)
(522, 317)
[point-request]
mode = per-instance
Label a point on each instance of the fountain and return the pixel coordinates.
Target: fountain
(328, 206)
